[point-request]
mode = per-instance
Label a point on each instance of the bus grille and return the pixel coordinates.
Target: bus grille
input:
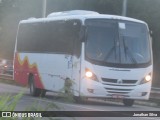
(117, 82)
(118, 91)
(116, 86)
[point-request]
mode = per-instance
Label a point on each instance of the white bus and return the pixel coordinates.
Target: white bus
(106, 56)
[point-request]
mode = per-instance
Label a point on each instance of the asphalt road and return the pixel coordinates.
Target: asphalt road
(52, 103)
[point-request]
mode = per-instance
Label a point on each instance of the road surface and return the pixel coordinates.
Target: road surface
(27, 102)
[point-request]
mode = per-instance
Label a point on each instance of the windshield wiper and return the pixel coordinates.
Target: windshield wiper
(110, 52)
(127, 51)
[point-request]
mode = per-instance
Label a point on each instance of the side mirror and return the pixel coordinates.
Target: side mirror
(151, 32)
(150, 36)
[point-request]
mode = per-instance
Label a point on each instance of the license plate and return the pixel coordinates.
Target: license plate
(118, 96)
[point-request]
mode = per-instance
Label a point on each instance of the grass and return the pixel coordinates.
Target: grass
(9, 102)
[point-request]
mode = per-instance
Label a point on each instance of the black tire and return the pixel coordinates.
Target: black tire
(128, 102)
(33, 90)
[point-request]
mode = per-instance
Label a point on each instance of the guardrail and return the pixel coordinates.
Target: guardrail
(155, 88)
(6, 76)
(155, 93)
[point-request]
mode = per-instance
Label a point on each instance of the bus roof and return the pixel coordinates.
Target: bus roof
(79, 14)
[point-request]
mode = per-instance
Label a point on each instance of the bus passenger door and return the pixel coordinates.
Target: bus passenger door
(76, 70)
(76, 76)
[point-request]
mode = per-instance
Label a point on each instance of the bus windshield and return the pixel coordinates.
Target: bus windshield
(117, 42)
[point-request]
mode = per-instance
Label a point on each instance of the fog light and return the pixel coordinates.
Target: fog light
(144, 93)
(90, 90)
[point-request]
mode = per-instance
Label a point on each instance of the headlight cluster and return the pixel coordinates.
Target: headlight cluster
(90, 75)
(146, 79)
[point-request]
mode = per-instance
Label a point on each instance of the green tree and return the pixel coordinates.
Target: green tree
(11, 12)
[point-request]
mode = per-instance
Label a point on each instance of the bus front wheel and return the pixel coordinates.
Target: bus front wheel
(128, 102)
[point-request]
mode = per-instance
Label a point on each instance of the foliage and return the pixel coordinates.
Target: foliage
(66, 92)
(9, 102)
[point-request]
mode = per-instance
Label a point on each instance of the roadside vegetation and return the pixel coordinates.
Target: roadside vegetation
(9, 102)
(66, 92)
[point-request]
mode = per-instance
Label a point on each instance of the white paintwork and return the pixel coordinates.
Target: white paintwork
(81, 17)
(53, 68)
(72, 12)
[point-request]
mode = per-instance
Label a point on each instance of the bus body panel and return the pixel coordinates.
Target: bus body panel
(49, 70)
(76, 74)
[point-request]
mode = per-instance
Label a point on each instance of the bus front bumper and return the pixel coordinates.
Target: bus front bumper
(93, 89)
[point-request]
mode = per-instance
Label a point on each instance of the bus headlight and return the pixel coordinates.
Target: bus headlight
(146, 79)
(90, 75)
